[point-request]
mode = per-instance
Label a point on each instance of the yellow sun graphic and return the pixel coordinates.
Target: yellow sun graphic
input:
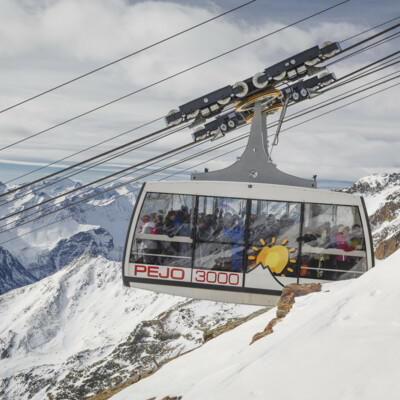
(276, 257)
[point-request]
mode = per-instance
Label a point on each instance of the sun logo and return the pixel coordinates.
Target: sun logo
(276, 257)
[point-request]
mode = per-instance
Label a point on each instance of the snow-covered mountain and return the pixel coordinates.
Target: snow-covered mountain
(382, 197)
(97, 226)
(79, 331)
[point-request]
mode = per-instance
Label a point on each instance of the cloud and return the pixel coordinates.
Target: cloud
(48, 42)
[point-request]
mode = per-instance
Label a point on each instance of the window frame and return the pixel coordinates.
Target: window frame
(193, 241)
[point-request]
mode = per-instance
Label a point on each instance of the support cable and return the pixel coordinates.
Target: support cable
(155, 120)
(127, 56)
(367, 39)
(367, 48)
(347, 92)
(124, 152)
(87, 160)
(169, 155)
(90, 166)
(86, 149)
(174, 75)
(150, 135)
(126, 183)
(370, 29)
(182, 148)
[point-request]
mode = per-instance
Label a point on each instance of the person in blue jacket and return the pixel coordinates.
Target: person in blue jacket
(234, 231)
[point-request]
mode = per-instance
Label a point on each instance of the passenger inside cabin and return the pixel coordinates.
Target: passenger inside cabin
(309, 261)
(325, 261)
(356, 236)
(149, 248)
(234, 232)
(341, 237)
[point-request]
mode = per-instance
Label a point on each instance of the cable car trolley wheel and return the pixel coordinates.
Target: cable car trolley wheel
(177, 121)
(193, 114)
(328, 82)
(265, 98)
(256, 81)
(245, 89)
(224, 102)
(331, 53)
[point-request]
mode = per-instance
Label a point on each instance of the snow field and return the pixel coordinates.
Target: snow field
(343, 342)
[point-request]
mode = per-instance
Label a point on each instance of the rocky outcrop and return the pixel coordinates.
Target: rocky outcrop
(150, 340)
(285, 303)
(388, 212)
(151, 345)
(231, 324)
(385, 220)
(385, 223)
(387, 247)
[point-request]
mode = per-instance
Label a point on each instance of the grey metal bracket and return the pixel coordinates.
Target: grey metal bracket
(281, 117)
(255, 164)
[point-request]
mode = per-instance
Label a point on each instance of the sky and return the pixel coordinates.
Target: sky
(47, 42)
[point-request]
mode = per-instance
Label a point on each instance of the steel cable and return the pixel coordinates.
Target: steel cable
(173, 75)
(125, 57)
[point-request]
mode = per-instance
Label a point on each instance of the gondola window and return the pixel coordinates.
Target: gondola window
(163, 230)
(220, 234)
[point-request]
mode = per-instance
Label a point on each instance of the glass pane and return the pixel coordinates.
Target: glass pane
(163, 231)
(219, 256)
(160, 252)
(220, 233)
(274, 230)
(170, 214)
(333, 242)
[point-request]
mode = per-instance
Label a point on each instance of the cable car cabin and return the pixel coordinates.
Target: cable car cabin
(241, 233)
(197, 239)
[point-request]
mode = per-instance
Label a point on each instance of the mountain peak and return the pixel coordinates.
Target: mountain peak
(372, 184)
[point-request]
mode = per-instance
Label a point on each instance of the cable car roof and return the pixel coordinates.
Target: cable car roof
(254, 191)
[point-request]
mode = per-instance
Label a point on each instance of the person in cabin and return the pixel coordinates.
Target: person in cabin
(356, 236)
(341, 237)
(149, 248)
(234, 232)
(308, 260)
(325, 241)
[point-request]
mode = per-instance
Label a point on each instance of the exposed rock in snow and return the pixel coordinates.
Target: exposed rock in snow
(382, 198)
(285, 304)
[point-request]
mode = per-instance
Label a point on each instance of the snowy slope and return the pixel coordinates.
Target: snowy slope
(342, 343)
(82, 319)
